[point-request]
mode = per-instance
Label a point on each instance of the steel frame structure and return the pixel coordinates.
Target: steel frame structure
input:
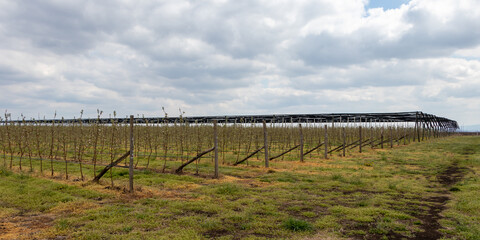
(420, 119)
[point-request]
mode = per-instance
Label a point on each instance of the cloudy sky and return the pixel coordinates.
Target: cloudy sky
(223, 57)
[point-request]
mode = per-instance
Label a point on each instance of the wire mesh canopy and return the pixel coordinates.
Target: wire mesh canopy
(418, 117)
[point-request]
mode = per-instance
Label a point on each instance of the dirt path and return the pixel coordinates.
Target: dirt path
(436, 204)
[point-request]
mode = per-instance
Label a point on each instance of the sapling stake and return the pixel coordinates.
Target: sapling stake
(4, 150)
(95, 142)
(37, 138)
(198, 144)
(149, 142)
(112, 146)
(9, 140)
(51, 142)
(165, 140)
(64, 147)
(20, 143)
(81, 147)
(156, 141)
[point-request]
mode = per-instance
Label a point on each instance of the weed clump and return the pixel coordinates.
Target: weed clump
(5, 172)
(454, 189)
(338, 177)
(228, 189)
(297, 225)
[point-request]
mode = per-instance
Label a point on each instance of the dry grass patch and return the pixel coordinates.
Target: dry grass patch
(74, 207)
(28, 226)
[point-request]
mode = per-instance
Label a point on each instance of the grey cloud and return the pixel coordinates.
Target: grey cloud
(63, 27)
(428, 37)
(199, 76)
(220, 56)
(470, 90)
(375, 74)
(271, 103)
(194, 96)
(240, 35)
(234, 28)
(10, 76)
(59, 96)
(465, 92)
(462, 31)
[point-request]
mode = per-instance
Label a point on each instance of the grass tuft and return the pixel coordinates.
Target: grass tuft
(228, 189)
(297, 225)
(454, 189)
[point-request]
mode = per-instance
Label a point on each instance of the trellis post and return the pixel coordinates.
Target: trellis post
(215, 145)
(265, 143)
(381, 137)
(344, 140)
(360, 137)
(130, 167)
(326, 142)
(301, 142)
(391, 137)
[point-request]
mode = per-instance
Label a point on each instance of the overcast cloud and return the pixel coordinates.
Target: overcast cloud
(224, 57)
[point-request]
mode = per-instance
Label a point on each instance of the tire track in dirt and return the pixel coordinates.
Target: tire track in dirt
(436, 204)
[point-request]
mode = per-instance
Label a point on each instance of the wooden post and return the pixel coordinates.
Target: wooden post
(215, 145)
(130, 167)
(391, 137)
(344, 140)
(372, 137)
(326, 141)
(8, 137)
(301, 142)
(427, 126)
(381, 138)
(265, 143)
(417, 127)
(360, 137)
(423, 127)
(397, 134)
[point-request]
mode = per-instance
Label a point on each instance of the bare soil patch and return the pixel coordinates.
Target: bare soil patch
(436, 204)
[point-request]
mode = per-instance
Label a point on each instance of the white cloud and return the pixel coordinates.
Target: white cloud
(232, 57)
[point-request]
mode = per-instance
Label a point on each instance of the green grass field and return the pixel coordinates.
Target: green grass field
(427, 189)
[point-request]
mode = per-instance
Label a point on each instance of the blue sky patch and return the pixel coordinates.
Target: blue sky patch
(386, 4)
